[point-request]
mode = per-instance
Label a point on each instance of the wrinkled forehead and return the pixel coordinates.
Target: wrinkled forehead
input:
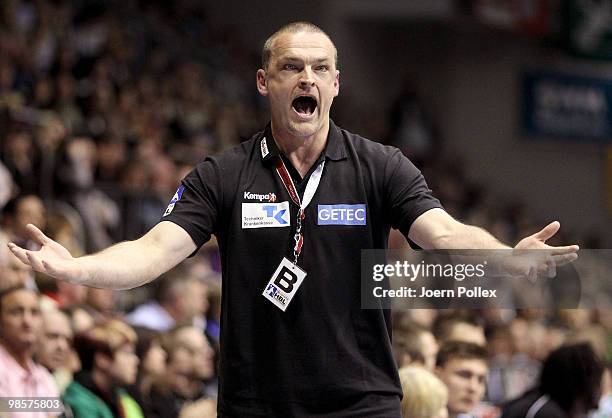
(303, 45)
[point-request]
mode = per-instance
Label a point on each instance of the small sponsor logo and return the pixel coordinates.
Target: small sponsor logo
(271, 290)
(177, 196)
(274, 293)
(341, 214)
(267, 197)
(264, 148)
(265, 215)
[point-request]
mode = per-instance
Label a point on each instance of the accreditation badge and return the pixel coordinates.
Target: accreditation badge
(284, 284)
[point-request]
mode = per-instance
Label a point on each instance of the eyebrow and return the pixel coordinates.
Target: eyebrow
(294, 59)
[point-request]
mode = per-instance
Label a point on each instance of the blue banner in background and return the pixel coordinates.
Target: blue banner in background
(573, 107)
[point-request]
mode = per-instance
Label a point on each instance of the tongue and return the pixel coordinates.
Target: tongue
(303, 106)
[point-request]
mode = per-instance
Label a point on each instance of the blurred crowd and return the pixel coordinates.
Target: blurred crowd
(104, 106)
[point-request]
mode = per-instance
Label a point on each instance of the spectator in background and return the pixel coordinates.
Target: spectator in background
(68, 296)
(414, 345)
(463, 368)
(55, 348)
(12, 270)
(101, 303)
(203, 356)
(20, 326)
(570, 386)
(511, 372)
(183, 383)
(176, 304)
(152, 366)
(425, 396)
(453, 327)
(109, 364)
(19, 212)
(21, 158)
(75, 178)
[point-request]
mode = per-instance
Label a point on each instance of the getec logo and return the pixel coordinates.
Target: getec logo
(341, 214)
(265, 215)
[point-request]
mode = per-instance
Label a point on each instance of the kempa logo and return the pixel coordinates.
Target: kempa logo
(268, 197)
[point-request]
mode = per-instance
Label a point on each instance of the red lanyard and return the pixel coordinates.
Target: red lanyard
(311, 188)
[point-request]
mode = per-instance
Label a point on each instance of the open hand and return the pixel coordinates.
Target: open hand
(539, 257)
(52, 258)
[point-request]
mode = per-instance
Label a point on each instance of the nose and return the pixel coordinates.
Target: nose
(306, 78)
(63, 345)
(474, 385)
(29, 318)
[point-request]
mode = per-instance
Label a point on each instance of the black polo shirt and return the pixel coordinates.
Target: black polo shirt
(324, 356)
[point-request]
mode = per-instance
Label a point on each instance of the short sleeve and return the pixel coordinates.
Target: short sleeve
(406, 192)
(195, 205)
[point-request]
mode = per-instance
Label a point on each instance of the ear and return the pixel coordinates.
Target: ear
(262, 88)
(102, 361)
(337, 83)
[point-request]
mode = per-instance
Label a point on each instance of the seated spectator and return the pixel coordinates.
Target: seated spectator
(415, 345)
(425, 396)
(20, 326)
(203, 356)
(463, 368)
(570, 386)
(12, 270)
(101, 303)
(18, 213)
(108, 364)
(189, 360)
(152, 366)
(173, 305)
(55, 350)
(511, 372)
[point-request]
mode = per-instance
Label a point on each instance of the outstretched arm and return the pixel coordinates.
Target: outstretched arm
(122, 266)
(436, 229)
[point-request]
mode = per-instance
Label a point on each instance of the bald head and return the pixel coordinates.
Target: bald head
(295, 27)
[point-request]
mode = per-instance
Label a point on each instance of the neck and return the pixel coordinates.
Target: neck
(22, 355)
(101, 381)
(303, 152)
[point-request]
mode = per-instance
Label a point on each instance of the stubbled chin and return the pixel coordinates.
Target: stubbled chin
(304, 128)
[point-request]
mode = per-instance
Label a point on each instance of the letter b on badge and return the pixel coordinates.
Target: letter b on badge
(285, 282)
(286, 279)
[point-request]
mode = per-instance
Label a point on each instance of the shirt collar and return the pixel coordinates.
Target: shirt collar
(16, 368)
(335, 148)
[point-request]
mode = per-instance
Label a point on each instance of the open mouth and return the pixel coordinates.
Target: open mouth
(304, 105)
